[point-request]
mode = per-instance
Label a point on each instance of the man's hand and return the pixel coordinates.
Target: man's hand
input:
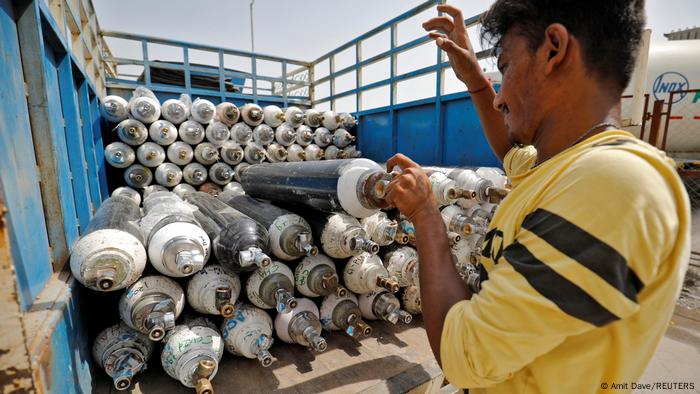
(410, 190)
(453, 39)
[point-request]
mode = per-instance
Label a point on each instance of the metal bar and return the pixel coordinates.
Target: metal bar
(331, 68)
(146, 63)
(222, 81)
(438, 105)
(668, 119)
(655, 122)
(392, 91)
(88, 144)
(254, 70)
(284, 83)
(188, 74)
(644, 116)
(358, 76)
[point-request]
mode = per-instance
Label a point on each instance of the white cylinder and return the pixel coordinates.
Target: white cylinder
(273, 115)
(341, 138)
(342, 312)
(227, 113)
(151, 305)
(285, 134)
(410, 300)
(119, 155)
(276, 153)
(138, 176)
(220, 173)
(231, 153)
(183, 189)
(180, 153)
(150, 189)
(294, 116)
(249, 334)
(312, 118)
(206, 153)
(330, 120)
(114, 109)
(402, 264)
(214, 290)
(194, 174)
(238, 169)
(150, 154)
(252, 114)
(191, 132)
(296, 152)
(126, 191)
(132, 132)
(301, 326)
(122, 352)
(263, 135)
(202, 111)
(316, 276)
(347, 121)
(174, 111)
(168, 174)
(254, 153)
(333, 153)
(351, 152)
(323, 137)
(145, 109)
(444, 188)
(365, 273)
(380, 228)
(265, 283)
(241, 133)
(217, 133)
(314, 152)
(305, 135)
(383, 305)
(234, 187)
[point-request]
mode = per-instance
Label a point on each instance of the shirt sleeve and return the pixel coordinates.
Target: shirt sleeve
(578, 261)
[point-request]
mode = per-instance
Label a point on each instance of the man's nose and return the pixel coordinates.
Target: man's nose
(499, 103)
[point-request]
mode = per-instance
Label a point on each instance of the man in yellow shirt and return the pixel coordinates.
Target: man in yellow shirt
(584, 259)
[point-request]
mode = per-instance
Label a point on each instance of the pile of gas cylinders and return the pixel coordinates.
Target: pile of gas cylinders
(295, 248)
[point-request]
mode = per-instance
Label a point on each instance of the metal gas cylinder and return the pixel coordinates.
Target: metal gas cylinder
(214, 291)
(150, 189)
(231, 153)
(305, 135)
(238, 242)
(365, 273)
(410, 300)
(227, 113)
(241, 133)
(341, 235)
(272, 287)
(351, 152)
(383, 305)
(202, 111)
(341, 138)
(334, 153)
(380, 228)
(254, 153)
(456, 221)
(122, 352)
(119, 155)
(276, 153)
(206, 153)
(138, 176)
(347, 121)
(175, 111)
(191, 132)
(323, 137)
(233, 189)
(301, 326)
(263, 135)
(285, 134)
(312, 118)
(485, 190)
(211, 188)
(238, 171)
(168, 174)
(315, 276)
(183, 189)
(340, 312)
(294, 116)
(132, 132)
(111, 254)
(151, 305)
(220, 173)
(126, 191)
(248, 333)
(444, 188)
(150, 154)
(273, 115)
(252, 114)
(145, 109)
(314, 152)
(330, 120)
(290, 234)
(402, 264)
(296, 152)
(180, 153)
(453, 238)
(162, 132)
(114, 109)
(192, 353)
(194, 174)
(479, 217)
(177, 245)
(217, 133)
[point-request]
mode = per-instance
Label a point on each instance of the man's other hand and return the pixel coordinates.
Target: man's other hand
(410, 190)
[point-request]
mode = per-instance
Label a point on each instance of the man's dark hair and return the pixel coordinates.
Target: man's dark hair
(609, 31)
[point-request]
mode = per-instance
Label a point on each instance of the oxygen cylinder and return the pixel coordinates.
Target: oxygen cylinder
(276, 153)
(402, 265)
(241, 133)
(238, 171)
(453, 238)
(405, 232)
(456, 221)
(301, 326)
(122, 352)
(132, 132)
(273, 115)
(194, 174)
(347, 121)
(312, 118)
(323, 137)
(410, 300)
(138, 176)
(263, 135)
(227, 113)
(202, 111)
(355, 186)
(211, 188)
(305, 135)
(341, 312)
(217, 133)
(341, 235)
(151, 305)
(150, 154)
(238, 242)
(248, 333)
(334, 153)
(126, 191)
(380, 228)
(206, 153)
(168, 174)
(150, 189)
(479, 217)
(383, 305)
(233, 189)
(110, 255)
(183, 189)
(365, 273)
(330, 120)
(114, 109)
(177, 246)
(285, 134)
(290, 234)
(295, 153)
(254, 153)
(214, 291)
(175, 111)
(231, 153)
(252, 114)
(272, 287)
(146, 108)
(341, 138)
(316, 276)
(294, 116)
(192, 353)
(191, 132)
(485, 190)
(119, 155)
(351, 152)
(444, 189)
(220, 173)
(180, 153)
(162, 132)
(313, 152)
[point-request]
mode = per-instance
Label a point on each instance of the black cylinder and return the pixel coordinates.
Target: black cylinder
(259, 211)
(118, 213)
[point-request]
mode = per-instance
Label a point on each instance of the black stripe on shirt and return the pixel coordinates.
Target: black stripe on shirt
(570, 298)
(588, 250)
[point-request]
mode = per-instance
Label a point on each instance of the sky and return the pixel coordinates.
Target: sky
(307, 29)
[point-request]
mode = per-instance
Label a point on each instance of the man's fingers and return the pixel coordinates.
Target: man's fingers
(441, 23)
(449, 46)
(399, 160)
(456, 13)
(436, 35)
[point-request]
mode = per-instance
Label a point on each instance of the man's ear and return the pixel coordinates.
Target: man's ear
(556, 46)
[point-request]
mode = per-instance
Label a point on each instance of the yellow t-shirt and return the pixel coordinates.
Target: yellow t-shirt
(585, 260)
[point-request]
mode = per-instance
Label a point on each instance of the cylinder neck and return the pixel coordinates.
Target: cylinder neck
(183, 255)
(156, 314)
(323, 280)
(254, 256)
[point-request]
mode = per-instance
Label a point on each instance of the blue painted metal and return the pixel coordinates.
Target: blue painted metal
(89, 142)
(97, 125)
